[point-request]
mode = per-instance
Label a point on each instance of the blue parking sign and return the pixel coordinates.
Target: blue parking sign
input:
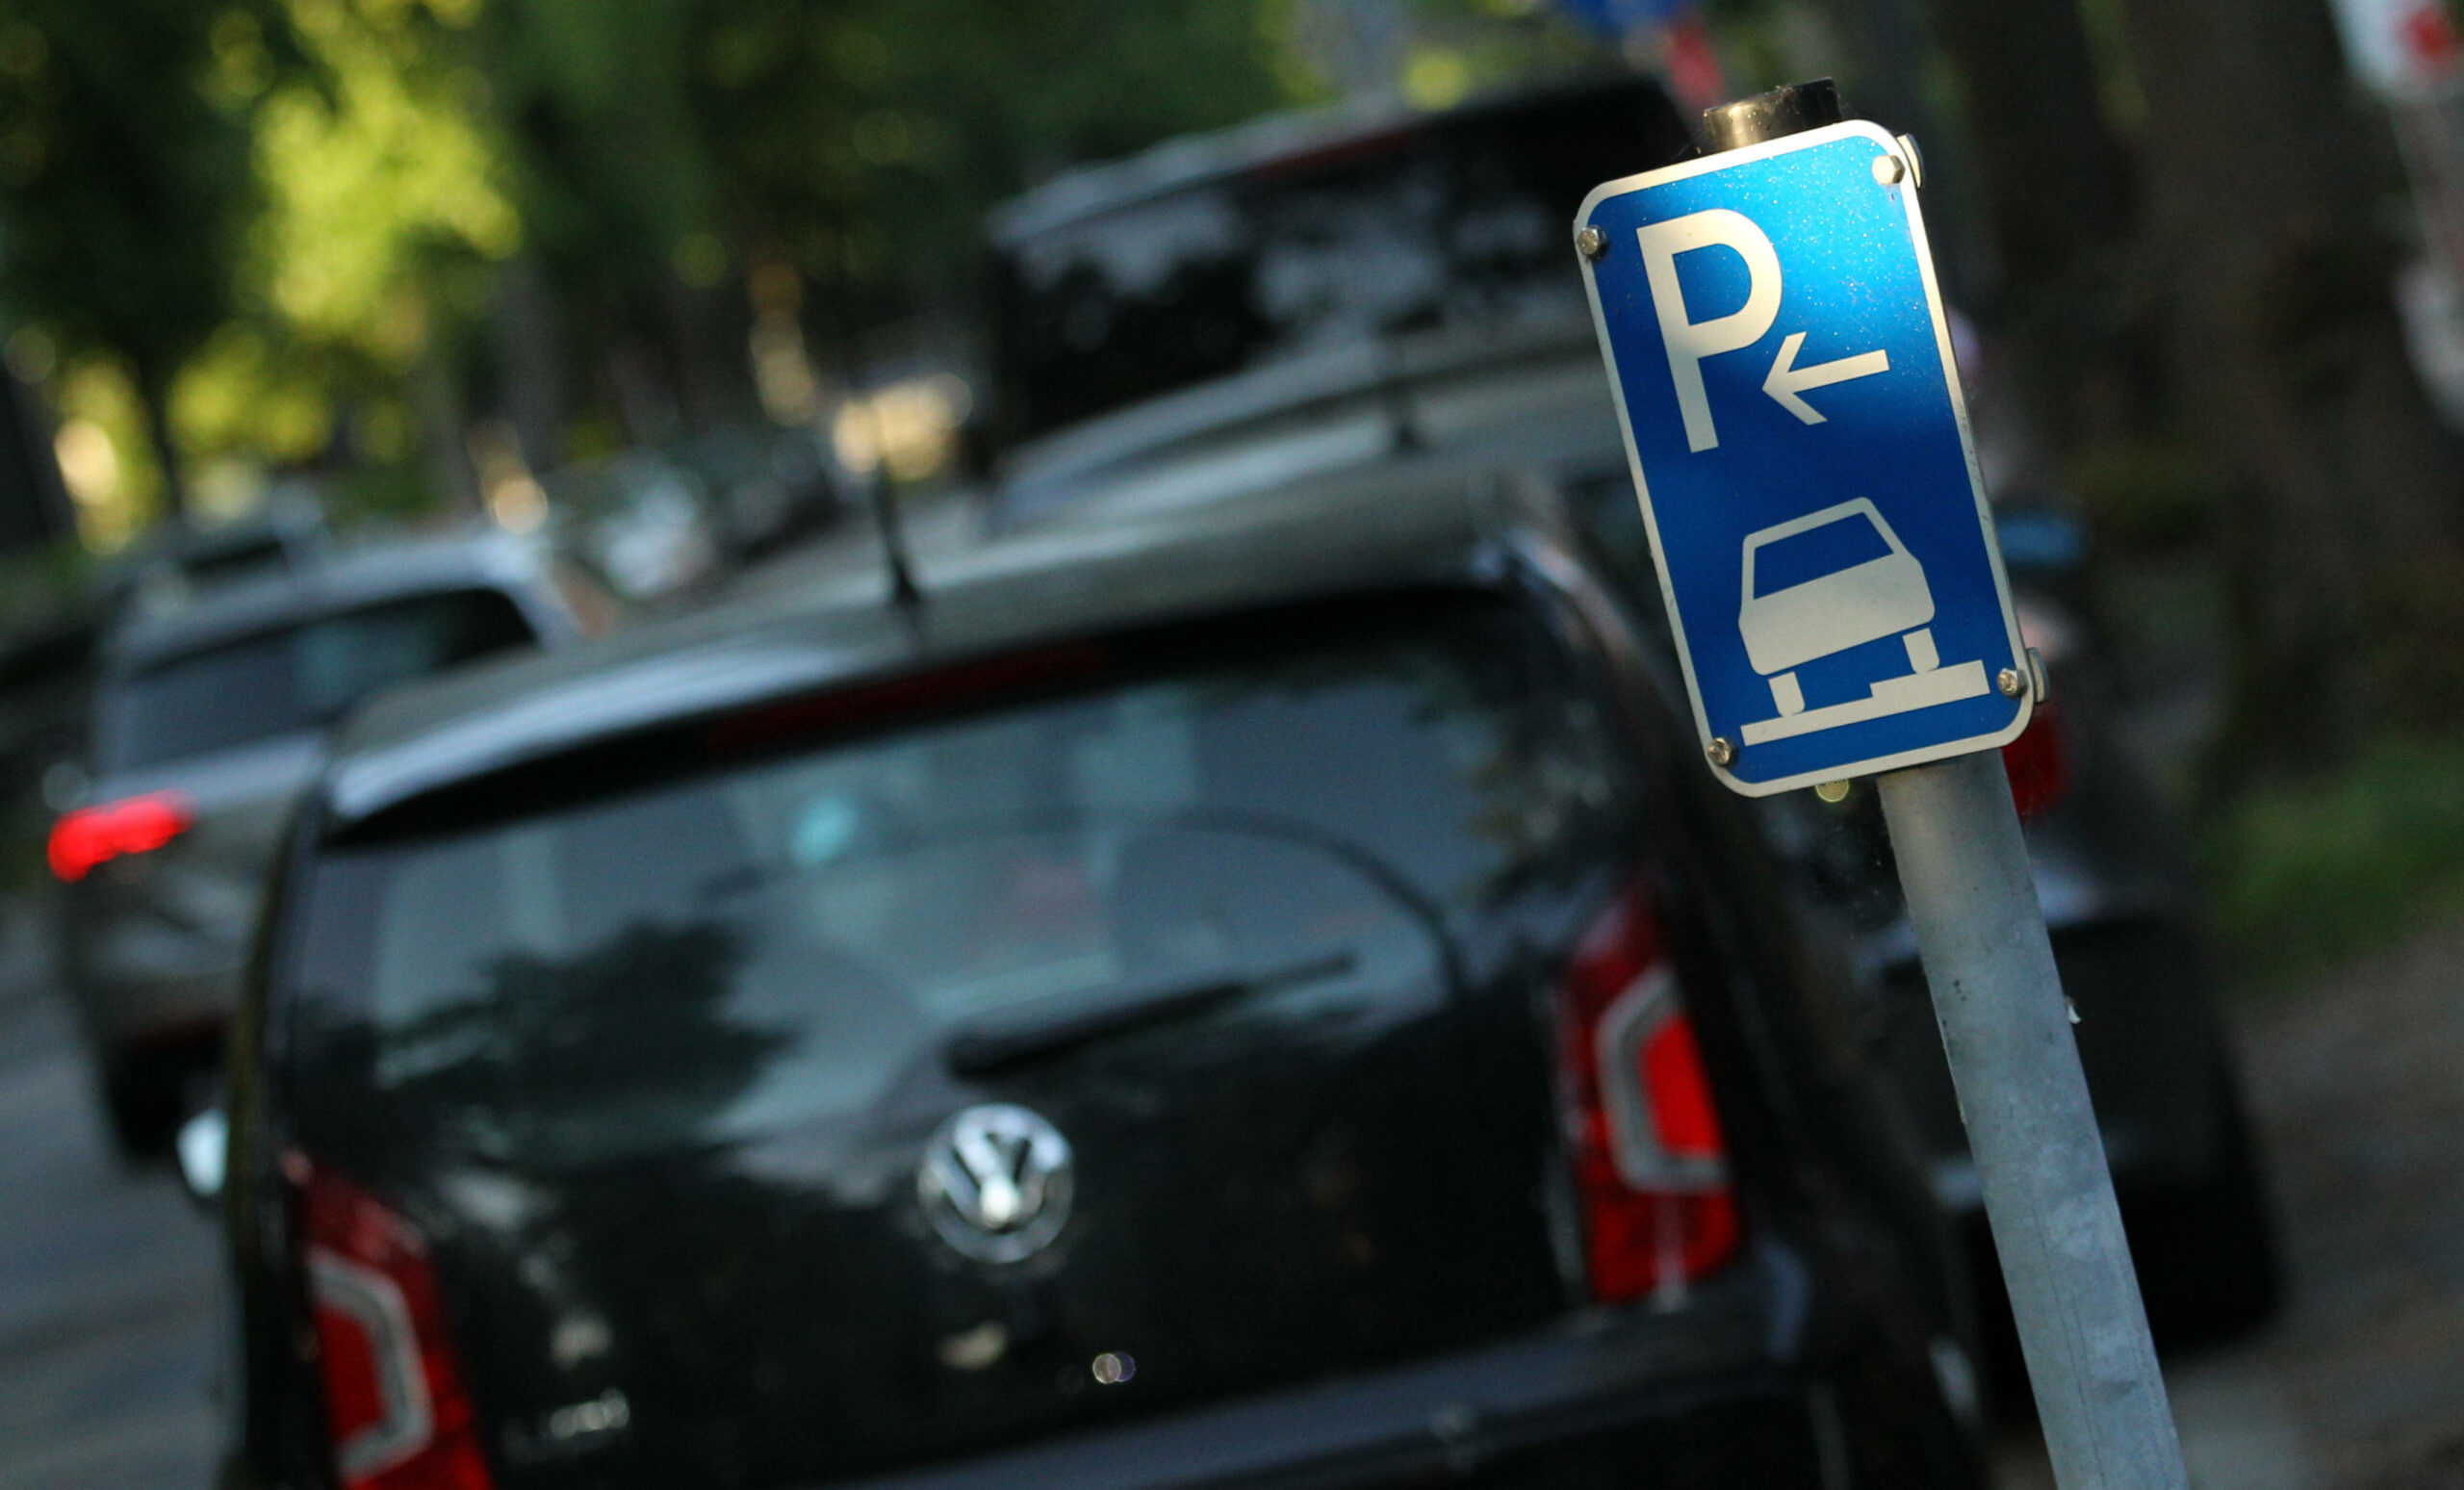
(1783, 367)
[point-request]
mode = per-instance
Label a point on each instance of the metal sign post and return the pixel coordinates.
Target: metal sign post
(1781, 357)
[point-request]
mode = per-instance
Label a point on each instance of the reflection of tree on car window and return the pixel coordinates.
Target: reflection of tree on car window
(624, 1046)
(819, 922)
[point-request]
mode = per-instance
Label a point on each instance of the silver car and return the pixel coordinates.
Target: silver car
(208, 724)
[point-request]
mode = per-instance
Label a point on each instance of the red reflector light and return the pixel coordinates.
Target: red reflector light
(1651, 1167)
(96, 835)
(396, 1412)
(2038, 764)
(1680, 1096)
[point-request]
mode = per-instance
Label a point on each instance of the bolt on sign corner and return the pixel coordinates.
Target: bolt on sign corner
(1783, 367)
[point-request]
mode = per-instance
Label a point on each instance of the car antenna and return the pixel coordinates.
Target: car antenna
(1395, 396)
(904, 592)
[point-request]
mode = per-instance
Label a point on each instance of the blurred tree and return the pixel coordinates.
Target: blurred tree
(2188, 215)
(612, 182)
(288, 220)
(2058, 199)
(2345, 535)
(381, 187)
(387, 212)
(665, 146)
(125, 178)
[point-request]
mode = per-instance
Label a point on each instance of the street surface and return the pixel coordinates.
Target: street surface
(109, 1294)
(2358, 1087)
(108, 1289)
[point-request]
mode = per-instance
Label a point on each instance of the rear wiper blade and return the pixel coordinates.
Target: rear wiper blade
(981, 1050)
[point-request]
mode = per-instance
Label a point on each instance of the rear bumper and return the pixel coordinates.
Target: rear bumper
(1709, 1395)
(141, 973)
(124, 1012)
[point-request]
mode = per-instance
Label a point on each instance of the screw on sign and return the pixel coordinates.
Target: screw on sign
(1770, 317)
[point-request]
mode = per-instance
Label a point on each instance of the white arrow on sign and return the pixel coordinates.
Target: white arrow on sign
(1787, 379)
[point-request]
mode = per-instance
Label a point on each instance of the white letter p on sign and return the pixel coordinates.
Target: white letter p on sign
(1690, 340)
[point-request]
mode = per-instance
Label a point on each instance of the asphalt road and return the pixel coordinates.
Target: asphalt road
(2357, 1086)
(109, 1292)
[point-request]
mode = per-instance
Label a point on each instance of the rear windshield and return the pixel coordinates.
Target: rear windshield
(780, 942)
(1460, 222)
(298, 676)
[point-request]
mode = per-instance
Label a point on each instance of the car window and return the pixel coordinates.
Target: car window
(1458, 223)
(775, 944)
(297, 676)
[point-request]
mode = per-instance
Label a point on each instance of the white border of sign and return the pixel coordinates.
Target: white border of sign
(1722, 161)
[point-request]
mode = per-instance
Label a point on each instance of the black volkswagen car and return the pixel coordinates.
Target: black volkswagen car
(1259, 997)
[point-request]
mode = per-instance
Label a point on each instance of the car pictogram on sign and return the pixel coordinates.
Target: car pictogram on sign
(1789, 625)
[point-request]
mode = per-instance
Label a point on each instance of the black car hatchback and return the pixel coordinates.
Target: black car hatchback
(1252, 997)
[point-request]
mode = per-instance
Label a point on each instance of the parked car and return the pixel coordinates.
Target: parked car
(179, 562)
(1333, 292)
(667, 524)
(48, 657)
(1255, 997)
(208, 722)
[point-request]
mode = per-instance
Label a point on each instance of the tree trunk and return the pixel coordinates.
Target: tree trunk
(438, 397)
(2058, 196)
(531, 358)
(154, 392)
(2346, 531)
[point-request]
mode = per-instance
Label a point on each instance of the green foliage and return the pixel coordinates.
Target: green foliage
(38, 585)
(860, 139)
(2147, 495)
(381, 183)
(277, 215)
(1465, 47)
(125, 158)
(2303, 873)
(608, 174)
(371, 493)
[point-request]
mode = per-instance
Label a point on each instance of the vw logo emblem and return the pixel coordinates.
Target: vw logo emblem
(996, 1182)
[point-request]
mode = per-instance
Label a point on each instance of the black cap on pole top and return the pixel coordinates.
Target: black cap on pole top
(1783, 110)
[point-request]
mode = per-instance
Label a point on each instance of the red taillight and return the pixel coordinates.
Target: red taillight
(396, 1410)
(2038, 764)
(98, 834)
(1651, 1169)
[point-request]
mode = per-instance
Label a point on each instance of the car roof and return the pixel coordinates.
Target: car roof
(1417, 524)
(1278, 139)
(390, 570)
